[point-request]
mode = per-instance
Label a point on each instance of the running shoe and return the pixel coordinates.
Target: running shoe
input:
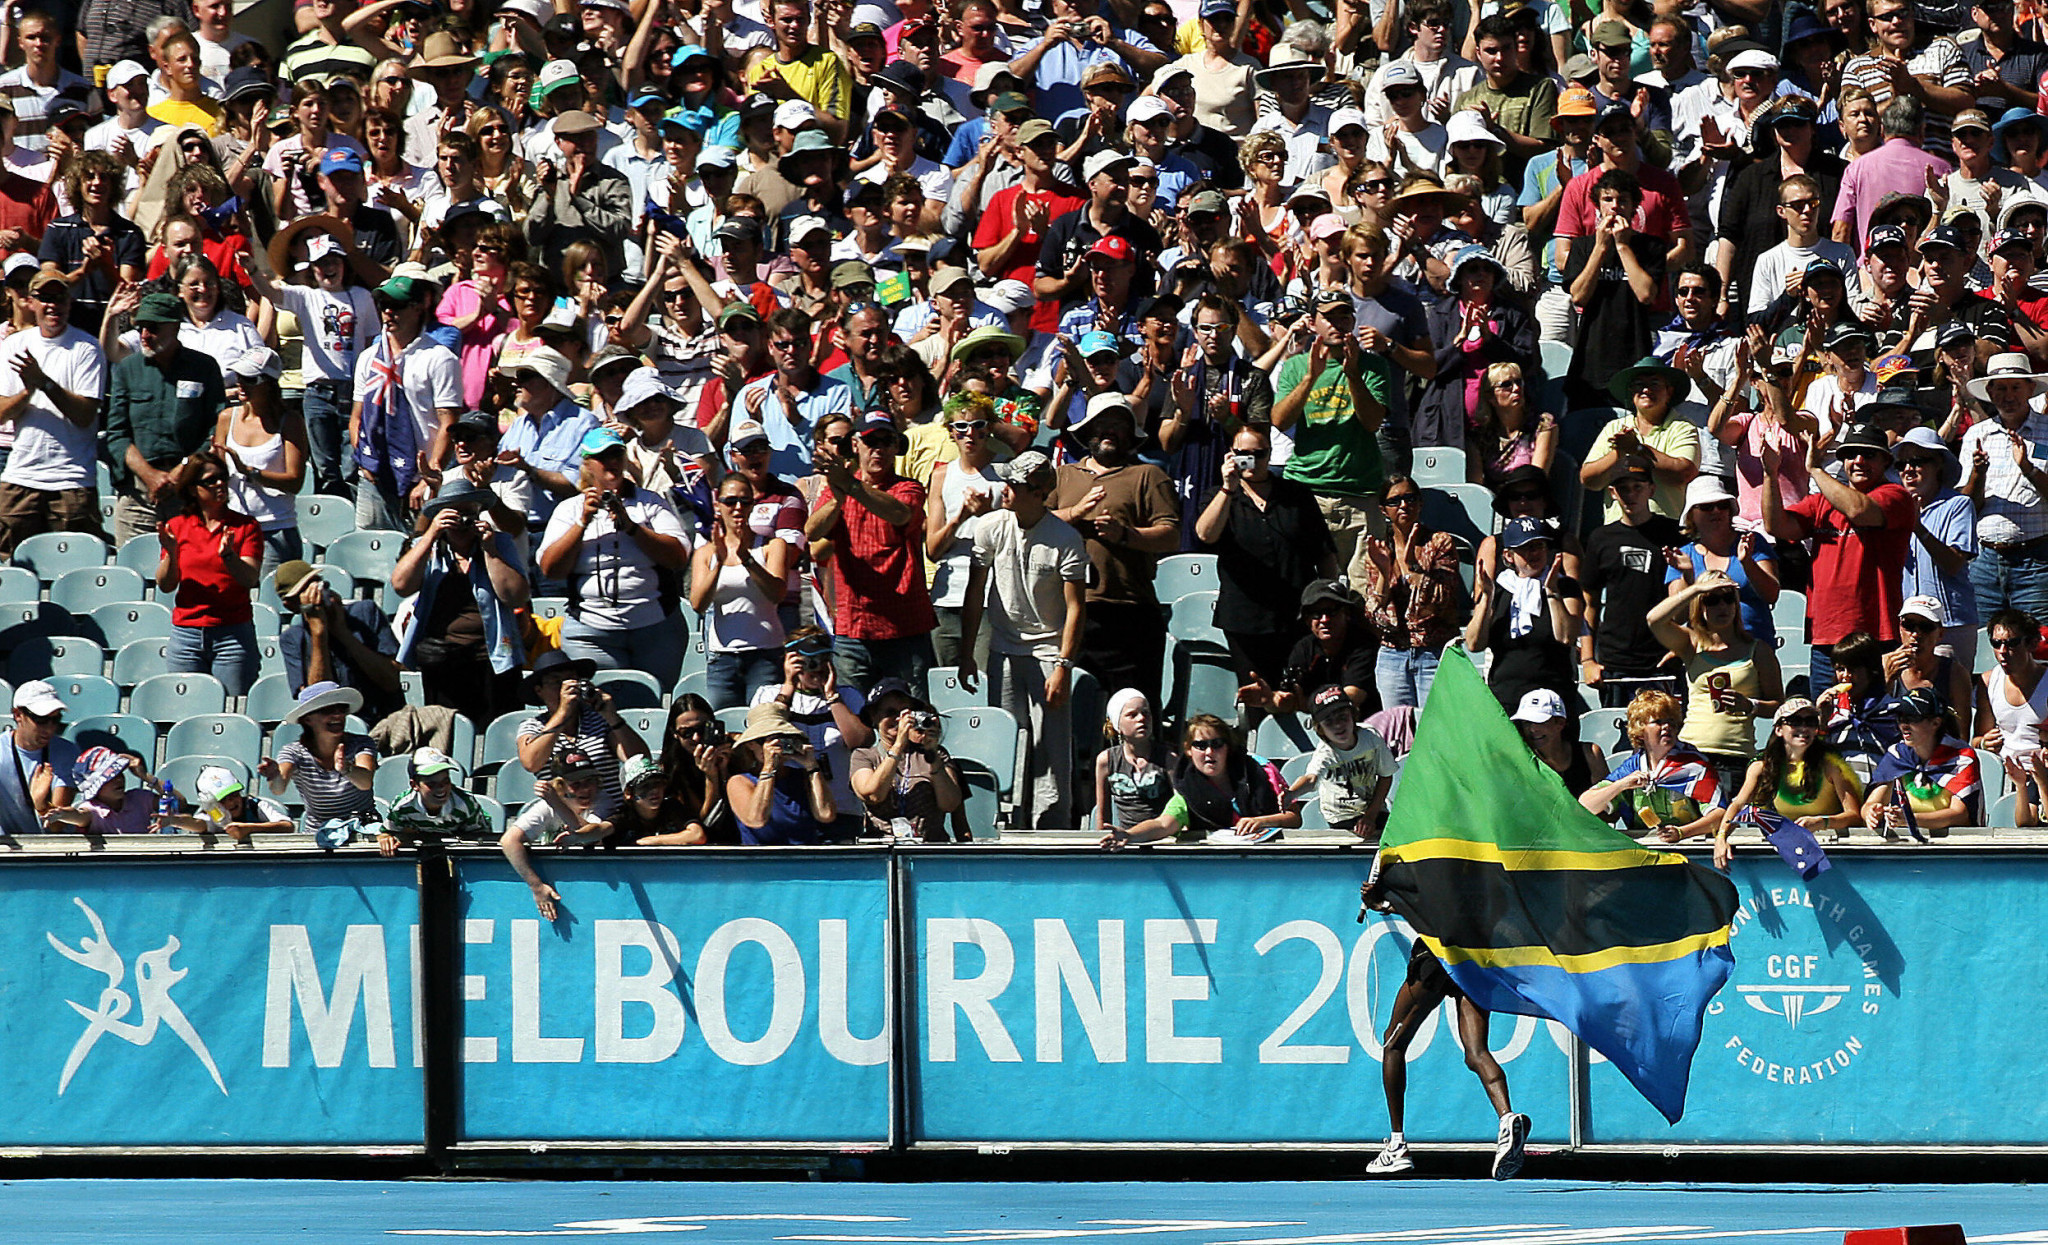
(1507, 1146)
(1391, 1160)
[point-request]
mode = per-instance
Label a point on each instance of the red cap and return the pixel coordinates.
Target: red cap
(1112, 246)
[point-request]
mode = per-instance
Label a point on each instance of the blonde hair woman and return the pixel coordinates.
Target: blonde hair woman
(1510, 433)
(1732, 679)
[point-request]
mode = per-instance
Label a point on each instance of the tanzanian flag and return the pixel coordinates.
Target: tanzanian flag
(1538, 908)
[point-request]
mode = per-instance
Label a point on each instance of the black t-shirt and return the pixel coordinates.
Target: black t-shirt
(1267, 557)
(1309, 668)
(1625, 566)
(377, 235)
(1615, 327)
(1068, 237)
(64, 245)
(1215, 155)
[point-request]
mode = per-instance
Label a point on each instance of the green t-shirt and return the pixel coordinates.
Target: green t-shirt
(1333, 452)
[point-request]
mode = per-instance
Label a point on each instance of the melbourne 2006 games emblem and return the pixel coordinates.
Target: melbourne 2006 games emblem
(1800, 1003)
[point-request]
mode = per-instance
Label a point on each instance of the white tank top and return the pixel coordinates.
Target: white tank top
(273, 509)
(740, 617)
(2020, 723)
(949, 583)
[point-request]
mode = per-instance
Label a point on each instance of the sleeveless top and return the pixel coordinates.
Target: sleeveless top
(949, 581)
(1136, 797)
(1804, 789)
(1578, 775)
(273, 509)
(740, 618)
(2021, 723)
(1706, 728)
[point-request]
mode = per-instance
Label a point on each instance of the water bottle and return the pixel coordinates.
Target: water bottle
(167, 806)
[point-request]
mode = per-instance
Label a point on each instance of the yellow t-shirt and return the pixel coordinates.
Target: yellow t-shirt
(1793, 799)
(203, 113)
(818, 76)
(1675, 438)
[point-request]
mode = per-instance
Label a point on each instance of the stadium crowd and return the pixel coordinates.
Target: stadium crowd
(761, 388)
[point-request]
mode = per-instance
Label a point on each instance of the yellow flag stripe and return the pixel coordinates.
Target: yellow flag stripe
(1493, 853)
(1592, 962)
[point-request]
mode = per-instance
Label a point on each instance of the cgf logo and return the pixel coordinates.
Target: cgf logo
(1803, 1053)
(1793, 1002)
(154, 978)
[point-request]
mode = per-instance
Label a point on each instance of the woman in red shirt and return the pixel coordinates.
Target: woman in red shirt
(211, 558)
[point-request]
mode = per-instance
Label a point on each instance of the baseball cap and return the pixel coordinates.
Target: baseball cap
(1010, 296)
(1102, 162)
(1541, 705)
(1886, 235)
(1328, 591)
(2010, 237)
(794, 114)
(599, 441)
(259, 361)
(1343, 119)
(1330, 703)
(746, 433)
(1920, 702)
(1575, 101)
(1609, 33)
(37, 697)
(851, 272)
(1033, 130)
(804, 226)
(1792, 706)
(1328, 225)
(739, 311)
(1204, 201)
(1020, 469)
(1098, 342)
(572, 763)
(1148, 108)
(429, 761)
(1757, 58)
(1924, 607)
(1942, 235)
(1522, 530)
(637, 770)
(216, 783)
(1112, 247)
(341, 160)
(1970, 119)
(1399, 73)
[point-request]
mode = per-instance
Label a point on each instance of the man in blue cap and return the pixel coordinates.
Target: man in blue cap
(346, 191)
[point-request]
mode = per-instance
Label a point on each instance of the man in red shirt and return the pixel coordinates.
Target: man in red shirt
(874, 519)
(1007, 237)
(1863, 533)
(1663, 213)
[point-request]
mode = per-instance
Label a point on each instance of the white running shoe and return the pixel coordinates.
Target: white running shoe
(1391, 1160)
(1507, 1145)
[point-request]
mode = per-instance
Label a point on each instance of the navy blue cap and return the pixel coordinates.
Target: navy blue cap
(1886, 235)
(1920, 702)
(1520, 531)
(1943, 235)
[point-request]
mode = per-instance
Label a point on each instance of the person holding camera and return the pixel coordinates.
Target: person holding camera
(210, 560)
(623, 552)
(1271, 542)
(906, 780)
(1215, 393)
(827, 713)
(738, 579)
(462, 633)
(576, 716)
(778, 787)
(330, 640)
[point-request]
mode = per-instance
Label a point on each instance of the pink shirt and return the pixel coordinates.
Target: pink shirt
(1896, 166)
(1793, 483)
(479, 340)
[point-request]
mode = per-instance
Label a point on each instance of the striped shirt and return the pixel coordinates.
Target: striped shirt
(115, 30)
(32, 103)
(328, 793)
(1940, 62)
(594, 738)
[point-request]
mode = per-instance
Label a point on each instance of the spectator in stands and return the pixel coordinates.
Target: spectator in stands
(696, 754)
(44, 761)
(580, 717)
(434, 808)
(1928, 781)
(162, 404)
(962, 492)
(96, 248)
(564, 814)
(874, 520)
(1126, 512)
(1477, 328)
(1527, 610)
(908, 783)
(828, 714)
(2011, 706)
(1271, 543)
(1731, 678)
(1863, 527)
(1337, 393)
(462, 633)
(1508, 431)
(1214, 392)
(267, 468)
(778, 787)
(1661, 786)
(1615, 276)
(546, 434)
(52, 382)
(1717, 545)
(789, 402)
(331, 641)
(408, 393)
(738, 579)
(1515, 101)
(1919, 662)
(106, 803)
(1031, 568)
(1624, 573)
(1134, 774)
(1799, 775)
(333, 767)
(1543, 721)
(1944, 540)
(2008, 481)
(1220, 795)
(577, 198)
(624, 553)
(1900, 164)
(1412, 593)
(211, 559)
(1338, 649)
(1649, 436)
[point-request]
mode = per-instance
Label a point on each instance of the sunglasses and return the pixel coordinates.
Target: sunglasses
(1719, 598)
(961, 428)
(1204, 745)
(1377, 186)
(736, 499)
(1917, 624)
(1803, 722)
(842, 444)
(1403, 499)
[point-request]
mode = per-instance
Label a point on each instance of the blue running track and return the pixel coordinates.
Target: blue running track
(1442, 1212)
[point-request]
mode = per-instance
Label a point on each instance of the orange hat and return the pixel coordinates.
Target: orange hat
(1575, 101)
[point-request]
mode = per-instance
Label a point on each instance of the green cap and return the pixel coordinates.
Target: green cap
(160, 309)
(401, 289)
(739, 311)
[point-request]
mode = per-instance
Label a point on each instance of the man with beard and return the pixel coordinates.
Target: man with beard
(1126, 511)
